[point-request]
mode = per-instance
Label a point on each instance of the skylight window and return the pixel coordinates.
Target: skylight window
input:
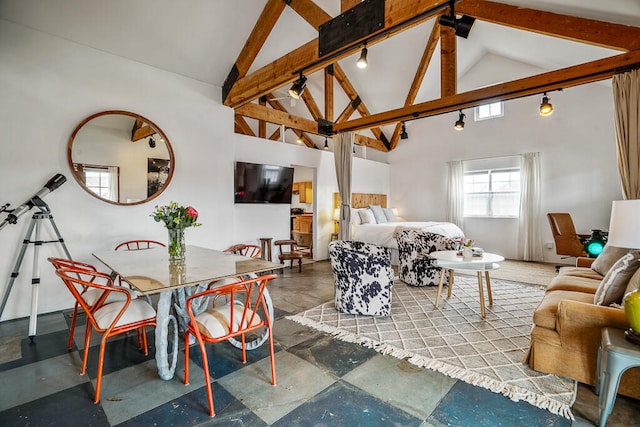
(489, 111)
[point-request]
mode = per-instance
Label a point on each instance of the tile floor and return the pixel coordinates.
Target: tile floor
(321, 381)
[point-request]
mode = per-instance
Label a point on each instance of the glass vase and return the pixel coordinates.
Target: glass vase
(176, 245)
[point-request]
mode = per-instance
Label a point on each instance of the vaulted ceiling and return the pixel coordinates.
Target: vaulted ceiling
(415, 64)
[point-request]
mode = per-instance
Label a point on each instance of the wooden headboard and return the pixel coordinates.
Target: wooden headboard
(362, 200)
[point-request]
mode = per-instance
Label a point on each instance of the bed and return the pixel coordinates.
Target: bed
(383, 234)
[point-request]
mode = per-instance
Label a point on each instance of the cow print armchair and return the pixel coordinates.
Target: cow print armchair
(363, 277)
(416, 267)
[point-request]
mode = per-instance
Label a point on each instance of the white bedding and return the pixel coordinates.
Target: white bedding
(384, 234)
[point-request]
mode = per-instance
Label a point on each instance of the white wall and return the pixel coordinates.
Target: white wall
(576, 144)
(50, 85)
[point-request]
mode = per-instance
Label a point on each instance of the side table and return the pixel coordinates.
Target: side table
(615, 356)
(265, 245)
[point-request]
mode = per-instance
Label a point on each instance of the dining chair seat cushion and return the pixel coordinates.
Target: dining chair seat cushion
(93, 295)
(215, 322)
(137, 311)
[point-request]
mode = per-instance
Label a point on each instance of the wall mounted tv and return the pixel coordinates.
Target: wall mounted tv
(257, 183)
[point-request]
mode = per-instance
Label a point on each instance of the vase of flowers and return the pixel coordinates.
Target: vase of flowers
(467, 248)
(176, 218)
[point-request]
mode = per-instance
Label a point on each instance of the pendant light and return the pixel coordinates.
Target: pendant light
(326, 144)
(362, 61)
(545, 106)
(460, 122)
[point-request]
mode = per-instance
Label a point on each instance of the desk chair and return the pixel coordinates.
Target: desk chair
(237, 309)
(288, 252)
(109, 319)
(568, 242)
(252, 251)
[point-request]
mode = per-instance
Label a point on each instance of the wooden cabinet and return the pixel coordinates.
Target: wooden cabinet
(304, 189)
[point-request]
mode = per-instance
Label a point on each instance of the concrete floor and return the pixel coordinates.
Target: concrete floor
(321, 381)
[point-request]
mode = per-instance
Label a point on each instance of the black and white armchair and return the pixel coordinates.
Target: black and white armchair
(363, 277)
(416, 267)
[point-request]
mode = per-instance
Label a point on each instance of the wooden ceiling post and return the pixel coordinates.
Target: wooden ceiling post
(328, 93)
(448, 62)
(262, 125)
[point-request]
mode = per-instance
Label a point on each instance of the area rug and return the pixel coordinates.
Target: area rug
(455, 340)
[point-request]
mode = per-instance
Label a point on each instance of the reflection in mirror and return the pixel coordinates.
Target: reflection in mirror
(120, 157)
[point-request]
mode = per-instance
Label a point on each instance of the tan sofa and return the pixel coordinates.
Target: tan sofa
(567, 328)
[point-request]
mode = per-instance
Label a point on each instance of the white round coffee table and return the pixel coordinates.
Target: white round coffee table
(450, 260)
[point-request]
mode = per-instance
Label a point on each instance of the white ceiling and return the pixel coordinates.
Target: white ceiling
(201, 39)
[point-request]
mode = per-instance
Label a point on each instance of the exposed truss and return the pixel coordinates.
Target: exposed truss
(241, 90)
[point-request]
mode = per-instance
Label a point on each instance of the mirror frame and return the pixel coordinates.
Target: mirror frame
(159, 131)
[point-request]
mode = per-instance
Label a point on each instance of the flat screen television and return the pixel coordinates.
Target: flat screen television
(258, 183)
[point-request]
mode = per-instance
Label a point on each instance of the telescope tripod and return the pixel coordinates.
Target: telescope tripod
(36, 220)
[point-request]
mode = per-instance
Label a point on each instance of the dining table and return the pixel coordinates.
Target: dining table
(149, 272)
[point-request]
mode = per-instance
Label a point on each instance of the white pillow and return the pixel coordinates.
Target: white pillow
(388, 212)
(378, 213)
(367, 216)
(355, 216)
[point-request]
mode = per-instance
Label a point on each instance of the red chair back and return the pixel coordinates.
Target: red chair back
(252, 251)
(135, 245)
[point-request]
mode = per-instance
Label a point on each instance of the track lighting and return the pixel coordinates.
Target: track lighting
(326, 144)
(152, 143)
(362, 61)
(404, 134)
(545, 106)
(462, 25)
(460, 122)
(299, 139)
(298, 87)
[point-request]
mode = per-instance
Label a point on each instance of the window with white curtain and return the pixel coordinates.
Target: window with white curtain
(102, 181)
(492, 192)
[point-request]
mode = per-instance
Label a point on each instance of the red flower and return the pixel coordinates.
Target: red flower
(191, 212)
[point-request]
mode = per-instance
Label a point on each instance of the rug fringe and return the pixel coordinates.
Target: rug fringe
(514, 393)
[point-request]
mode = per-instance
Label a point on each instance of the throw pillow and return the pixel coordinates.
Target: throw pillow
(355, 216)
(388, 212)
(367, 216)
(608, 257)
(612, 288)
(378, 213)
(634, 282)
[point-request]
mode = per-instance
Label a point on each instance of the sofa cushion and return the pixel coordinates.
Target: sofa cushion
(634, 282)
(545, 314)
(608, 257)
(612, 287)
(580, 272)
(575, 283)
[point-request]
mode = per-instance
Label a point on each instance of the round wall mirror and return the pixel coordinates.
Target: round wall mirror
(120, 157)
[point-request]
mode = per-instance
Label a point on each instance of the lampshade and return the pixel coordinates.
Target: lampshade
(624, 228)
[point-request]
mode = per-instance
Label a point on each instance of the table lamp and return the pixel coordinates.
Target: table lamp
(624, 232)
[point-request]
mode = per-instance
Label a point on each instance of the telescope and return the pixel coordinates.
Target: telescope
(35, 200)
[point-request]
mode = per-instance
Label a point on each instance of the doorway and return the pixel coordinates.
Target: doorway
(303, 216)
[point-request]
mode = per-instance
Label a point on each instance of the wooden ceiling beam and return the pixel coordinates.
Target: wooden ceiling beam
(141, 130)
(448, 62)
(421, 71)
(328, 93)
(400, 15)
(348, 4)
(310, 12)
(347, 112)
(275, 136)
(241, 126)
(376, 144)
(278, 106)
(604, 34)
(262, 125)
(588, 72)
(311, 105)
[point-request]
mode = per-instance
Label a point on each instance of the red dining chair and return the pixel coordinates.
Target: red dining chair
(252, 251)
(135, 245)
(233, 312)
(109, 319)
(90, 296)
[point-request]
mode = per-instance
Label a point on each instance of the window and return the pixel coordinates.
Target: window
(489, 111)
(492, 192)
(101, 180)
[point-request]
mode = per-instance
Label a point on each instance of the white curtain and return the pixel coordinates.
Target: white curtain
(343, 153)
(113, 183)
(455, 193)
(529, 238)
(626, 96)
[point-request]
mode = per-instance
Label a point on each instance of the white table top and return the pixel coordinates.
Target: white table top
(451, 259)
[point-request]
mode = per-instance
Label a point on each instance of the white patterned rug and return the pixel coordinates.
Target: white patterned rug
(455, 341)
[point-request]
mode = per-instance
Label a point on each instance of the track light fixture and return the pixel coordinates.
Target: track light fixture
(299, 139)
(326, 144)
(298, 87)
(545, 106)
(404, 134)
(462, 25)
(460, 122)
(152, 142)
(362, 61)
